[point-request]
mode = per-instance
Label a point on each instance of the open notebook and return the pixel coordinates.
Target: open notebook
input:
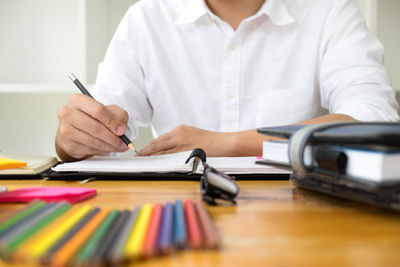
(169, 163)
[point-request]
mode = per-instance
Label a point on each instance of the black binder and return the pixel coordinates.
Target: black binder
(335, 183)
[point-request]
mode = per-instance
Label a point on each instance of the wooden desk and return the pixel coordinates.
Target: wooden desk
(273, 224)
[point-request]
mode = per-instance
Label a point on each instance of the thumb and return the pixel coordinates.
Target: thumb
(116, 119)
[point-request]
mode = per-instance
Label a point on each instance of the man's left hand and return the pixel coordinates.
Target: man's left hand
(184, 138)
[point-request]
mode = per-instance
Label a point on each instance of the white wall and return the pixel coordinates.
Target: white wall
(41, 41)
(29, 122)
(382, 17)
(388, 32)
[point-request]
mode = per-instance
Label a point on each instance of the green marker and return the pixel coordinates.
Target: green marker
(15, 243)
(91, 245)
(4, 226)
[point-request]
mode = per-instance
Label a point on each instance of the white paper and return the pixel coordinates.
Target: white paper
(165, 164)
(162, 164)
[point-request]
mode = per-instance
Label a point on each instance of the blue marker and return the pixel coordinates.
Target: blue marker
(180, 236)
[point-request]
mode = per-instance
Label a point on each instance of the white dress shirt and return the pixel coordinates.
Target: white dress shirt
(174, 62)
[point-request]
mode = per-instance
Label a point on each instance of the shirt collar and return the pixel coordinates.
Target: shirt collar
(194, 10)
(276, 10)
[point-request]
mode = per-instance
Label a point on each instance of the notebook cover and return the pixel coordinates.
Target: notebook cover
(154, 176)
(384, 133)
(35, 176)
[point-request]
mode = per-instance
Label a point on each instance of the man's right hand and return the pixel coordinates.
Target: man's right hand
(87, 128)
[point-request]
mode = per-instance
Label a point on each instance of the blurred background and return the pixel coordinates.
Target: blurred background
(42, 41)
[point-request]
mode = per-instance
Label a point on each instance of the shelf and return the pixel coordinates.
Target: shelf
(36, 88)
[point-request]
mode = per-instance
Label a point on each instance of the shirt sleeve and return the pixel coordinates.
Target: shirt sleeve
(352, 78)
(120, 78)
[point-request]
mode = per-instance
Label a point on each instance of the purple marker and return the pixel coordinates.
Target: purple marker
(165, 242)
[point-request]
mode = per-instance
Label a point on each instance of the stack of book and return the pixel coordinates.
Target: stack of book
(365, 163)
(357, 161)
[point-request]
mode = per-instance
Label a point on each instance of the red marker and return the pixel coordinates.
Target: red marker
(150, 247)
(207, 226)
(193, 225)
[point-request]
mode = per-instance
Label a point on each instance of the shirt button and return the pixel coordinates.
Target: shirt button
(209, 23)
(232, 47)
(253, 27)
(229, 95)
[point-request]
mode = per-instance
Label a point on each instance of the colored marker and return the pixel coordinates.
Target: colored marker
(150, 246)
(134, 248)
(93, 243)
(19, 215)
(24, 224)
(180, 235)
(117, 253)
(207, 226)
(19, 219)
(50, 239)
(125, 217)
(166, 229)
(69, 249)
(107, 242)
(48, 256)
(25, 248)
(193, 226)
(14, 245)
(36, 226)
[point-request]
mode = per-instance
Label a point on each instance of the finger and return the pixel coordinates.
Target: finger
(76, 149)
(170, 151)
(95, 143)
(122, 116)
(80, 151)
(96, 129)
(157, 147)
(72, 134)
(151, 147)
(113, 117)
(161, 138)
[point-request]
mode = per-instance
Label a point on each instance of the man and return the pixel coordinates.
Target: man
(208, 73)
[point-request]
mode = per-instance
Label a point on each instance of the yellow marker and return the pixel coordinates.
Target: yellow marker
(23, 251)
(134, 245)
(44, 244)
(6, 163)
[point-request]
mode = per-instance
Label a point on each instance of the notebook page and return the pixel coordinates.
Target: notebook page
(162, 163)
(240, 165)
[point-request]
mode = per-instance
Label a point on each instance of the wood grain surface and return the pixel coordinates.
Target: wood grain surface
(273, 224)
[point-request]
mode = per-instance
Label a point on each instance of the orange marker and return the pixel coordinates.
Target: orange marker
(193, 225)
(150, 247)
(69, 249)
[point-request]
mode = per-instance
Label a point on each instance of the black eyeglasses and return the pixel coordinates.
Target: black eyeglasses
(214, 184)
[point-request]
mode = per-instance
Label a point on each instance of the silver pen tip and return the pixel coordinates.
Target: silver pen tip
(72, 77)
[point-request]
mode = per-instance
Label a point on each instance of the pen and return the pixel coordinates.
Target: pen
(86, 92)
